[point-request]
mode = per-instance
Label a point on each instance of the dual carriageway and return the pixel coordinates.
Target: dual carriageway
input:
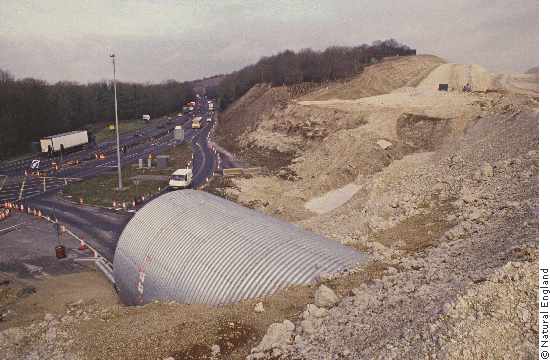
(101, 227)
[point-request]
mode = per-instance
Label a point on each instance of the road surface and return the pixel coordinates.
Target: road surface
(101, 227)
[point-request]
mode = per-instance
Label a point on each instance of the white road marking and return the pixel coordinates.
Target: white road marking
(5, 177)
(22, 187)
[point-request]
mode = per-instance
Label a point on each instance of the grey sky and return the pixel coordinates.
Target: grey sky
(157, 40)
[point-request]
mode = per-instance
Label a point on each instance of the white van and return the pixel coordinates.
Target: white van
(180, 179)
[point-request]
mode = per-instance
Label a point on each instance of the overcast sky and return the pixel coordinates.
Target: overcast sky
(189, 39)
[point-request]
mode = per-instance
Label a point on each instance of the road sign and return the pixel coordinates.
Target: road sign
(35, 164)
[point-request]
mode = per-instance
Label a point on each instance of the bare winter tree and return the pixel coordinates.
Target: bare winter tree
(288, 67)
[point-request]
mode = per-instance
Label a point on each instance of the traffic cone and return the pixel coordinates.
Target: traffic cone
(39, 213)
(81, 201)
(124, 205)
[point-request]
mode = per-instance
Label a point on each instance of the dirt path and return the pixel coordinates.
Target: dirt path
(457, 75)
(332, 199)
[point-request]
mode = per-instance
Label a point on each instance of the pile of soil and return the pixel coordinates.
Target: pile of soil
(381, 78)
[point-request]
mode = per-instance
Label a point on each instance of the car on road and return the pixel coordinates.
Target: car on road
(180, 179)
(180, 114)
(196, 122)
(99, 155)
(208, 119)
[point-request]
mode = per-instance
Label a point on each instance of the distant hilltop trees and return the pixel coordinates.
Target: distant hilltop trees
(289, 67)
(31, 109)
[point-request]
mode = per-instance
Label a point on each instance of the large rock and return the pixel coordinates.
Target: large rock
(314, 311)
(325, 297)
(278, 335)
(487, 170)
(259, 308)
(384, 144)
(309, 326)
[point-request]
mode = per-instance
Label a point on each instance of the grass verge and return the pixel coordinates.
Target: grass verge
(103, 133)
(101, 190)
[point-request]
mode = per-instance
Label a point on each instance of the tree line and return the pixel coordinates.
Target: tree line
(31, 109)
(289, 67)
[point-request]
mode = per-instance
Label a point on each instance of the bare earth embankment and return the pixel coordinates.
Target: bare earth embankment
(443, 187)
(439, 189)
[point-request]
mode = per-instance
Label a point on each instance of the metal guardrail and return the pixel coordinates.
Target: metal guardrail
(243, 171)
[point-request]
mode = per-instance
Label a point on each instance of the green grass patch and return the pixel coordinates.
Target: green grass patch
(103, 133)
(101, 190)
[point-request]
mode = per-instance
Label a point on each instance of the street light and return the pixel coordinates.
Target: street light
(116, 127)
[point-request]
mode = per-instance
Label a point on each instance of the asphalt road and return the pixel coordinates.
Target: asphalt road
(101, 227)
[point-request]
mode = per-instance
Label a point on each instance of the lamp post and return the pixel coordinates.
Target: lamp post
(116, 127)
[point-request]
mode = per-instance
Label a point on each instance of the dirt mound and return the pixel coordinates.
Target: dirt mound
(381, 78)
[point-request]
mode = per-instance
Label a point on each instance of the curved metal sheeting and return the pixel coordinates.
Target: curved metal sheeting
(194, 247)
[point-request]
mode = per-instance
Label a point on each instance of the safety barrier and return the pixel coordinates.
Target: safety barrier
(243, 171)
(132, 204)
(4, 214)
(233, 172)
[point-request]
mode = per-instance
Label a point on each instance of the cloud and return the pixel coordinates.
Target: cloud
(184, 40)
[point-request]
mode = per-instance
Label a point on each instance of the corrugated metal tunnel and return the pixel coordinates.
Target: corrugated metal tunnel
(194, 247)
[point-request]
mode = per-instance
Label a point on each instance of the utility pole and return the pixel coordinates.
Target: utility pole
(116, 127)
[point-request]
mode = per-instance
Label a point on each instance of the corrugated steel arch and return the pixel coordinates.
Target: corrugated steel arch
(194, 247)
